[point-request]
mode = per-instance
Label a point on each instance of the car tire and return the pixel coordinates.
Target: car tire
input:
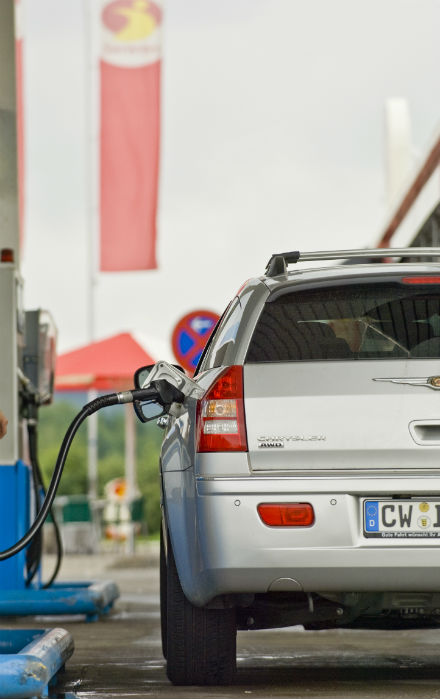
(163, 592)
(201, 643)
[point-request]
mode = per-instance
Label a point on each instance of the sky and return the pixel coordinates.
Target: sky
(272, 140)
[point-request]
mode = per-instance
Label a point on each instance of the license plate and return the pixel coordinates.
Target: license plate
(402, 519)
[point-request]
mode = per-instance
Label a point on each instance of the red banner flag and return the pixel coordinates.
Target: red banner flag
(130, 130)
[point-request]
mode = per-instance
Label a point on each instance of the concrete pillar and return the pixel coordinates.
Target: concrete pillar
(9, 236)
(9, 226)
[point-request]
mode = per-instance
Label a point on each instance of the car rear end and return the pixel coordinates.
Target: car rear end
(317, 450)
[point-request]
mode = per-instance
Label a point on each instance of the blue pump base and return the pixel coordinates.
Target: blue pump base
(31, 659)
(92, 599)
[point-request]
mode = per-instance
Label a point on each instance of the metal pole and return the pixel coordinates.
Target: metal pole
(89, 11)
(130, 469)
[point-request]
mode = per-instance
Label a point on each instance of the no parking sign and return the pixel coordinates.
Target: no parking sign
(190, 336)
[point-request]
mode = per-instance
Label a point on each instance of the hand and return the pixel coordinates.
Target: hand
(3, 425)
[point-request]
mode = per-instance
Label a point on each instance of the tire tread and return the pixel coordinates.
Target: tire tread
(201, 643)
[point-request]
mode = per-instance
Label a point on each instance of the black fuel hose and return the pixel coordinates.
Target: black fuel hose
(143, 394)
(34, 551)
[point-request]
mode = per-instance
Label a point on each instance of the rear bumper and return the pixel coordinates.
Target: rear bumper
(238, 553)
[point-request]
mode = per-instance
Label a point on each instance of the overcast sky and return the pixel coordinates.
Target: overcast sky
(272, 139)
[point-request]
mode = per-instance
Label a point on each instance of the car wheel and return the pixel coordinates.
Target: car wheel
(201, 643)
(163, 593)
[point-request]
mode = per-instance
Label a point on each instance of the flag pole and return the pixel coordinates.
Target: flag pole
(90, 9)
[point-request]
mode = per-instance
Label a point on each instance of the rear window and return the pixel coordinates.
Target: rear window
(353, 321)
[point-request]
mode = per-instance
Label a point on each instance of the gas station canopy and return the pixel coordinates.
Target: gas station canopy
(102, 365)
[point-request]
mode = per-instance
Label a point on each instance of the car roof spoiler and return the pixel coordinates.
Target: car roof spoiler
(278, 263)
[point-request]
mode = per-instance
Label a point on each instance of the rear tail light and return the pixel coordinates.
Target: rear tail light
(421, 280)
(220, 420)
(296, 514)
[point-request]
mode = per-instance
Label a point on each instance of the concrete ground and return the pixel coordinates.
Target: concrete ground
(120, 656)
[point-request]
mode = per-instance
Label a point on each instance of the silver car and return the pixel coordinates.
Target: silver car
(300, 469)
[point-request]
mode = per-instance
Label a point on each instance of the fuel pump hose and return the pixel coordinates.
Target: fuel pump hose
(143, 394)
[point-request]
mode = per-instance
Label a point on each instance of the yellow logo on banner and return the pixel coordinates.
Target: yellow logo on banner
(131, 35)
(140, 23)
(131, 20)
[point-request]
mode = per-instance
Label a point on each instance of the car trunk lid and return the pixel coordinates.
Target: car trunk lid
(335, 415)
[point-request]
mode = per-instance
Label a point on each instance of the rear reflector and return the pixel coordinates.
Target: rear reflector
(421, 280)
(296, 514)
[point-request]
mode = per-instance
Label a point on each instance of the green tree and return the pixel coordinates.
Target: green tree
(54, 421)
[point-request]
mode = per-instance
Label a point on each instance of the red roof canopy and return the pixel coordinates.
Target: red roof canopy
(104, 365)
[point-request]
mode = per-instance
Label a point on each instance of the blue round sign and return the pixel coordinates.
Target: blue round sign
(190, 336)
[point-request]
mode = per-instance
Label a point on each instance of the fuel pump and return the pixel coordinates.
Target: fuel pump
(37, 384)
(28, 352)
(15, 479)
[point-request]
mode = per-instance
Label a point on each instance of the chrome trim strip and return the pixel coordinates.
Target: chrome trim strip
(416, 475)
(416, 381)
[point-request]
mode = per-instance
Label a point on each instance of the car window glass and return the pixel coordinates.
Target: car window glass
(201, 366)
(354, 321)
(224, 337)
